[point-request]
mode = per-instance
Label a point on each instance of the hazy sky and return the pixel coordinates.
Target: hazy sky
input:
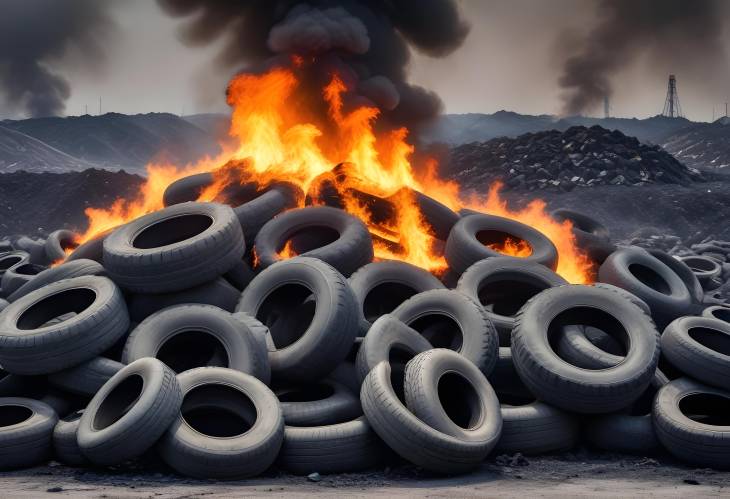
(507, 62)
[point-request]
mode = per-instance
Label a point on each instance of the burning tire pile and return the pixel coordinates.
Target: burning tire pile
(230, 340)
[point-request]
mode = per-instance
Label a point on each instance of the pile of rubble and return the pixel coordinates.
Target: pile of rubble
(577, 157)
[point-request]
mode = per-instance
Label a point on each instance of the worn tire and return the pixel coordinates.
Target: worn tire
(624, 433)
(27, 432)
(65, 443)
(129, 413)
(591, 236)
(715, 312)
(101, 319)
(87, 378)
(187, 188)
(57, 243)
(437, 216)
(174, 249)
(67, 270)
(194, 445)
(683, 272)
(12, 259)
(536, 428)
(254, 214)
(93, 249)
(704, 268)
(323, 403)
(17, 276)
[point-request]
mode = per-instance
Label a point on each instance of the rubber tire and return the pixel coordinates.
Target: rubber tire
(338, 448)
(57, 243)
(187, 188)
(341, 406)
(17, 276)
(218, 293)
(28, 442)
(683, 272)
(65, 444)
(705, 275)
(3, 304)
(350, 251)
(623, 433)
(365, 283)
(718, 312)
(141, 421)
(243, 351)
(698, 358)
(68, 343)
(437, 216)
(254, 214)
(693, 442)
(505, 270)
(93, 249)
(87, 378)
(178, 265)
(479, 340)
(11, 259)
(569, 387)
(332, 331)
(240, 276)
(536, 428)
(591, 236)
(463, 249)
(67, 270)
(195, 454)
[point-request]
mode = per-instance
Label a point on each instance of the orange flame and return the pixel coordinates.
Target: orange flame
(281, 136)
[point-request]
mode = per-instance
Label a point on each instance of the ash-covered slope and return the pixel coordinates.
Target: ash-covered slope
(577, 157)
(19, 151)
(702, 146)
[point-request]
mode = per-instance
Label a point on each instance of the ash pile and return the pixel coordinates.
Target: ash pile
(577, 157)
(193, 334)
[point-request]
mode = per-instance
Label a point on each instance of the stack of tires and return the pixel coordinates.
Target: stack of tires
(174, 334)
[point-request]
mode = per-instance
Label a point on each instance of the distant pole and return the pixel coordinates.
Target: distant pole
(726, 109)
(606, 107)
(100, 105)
(713, 113)
(86, 109)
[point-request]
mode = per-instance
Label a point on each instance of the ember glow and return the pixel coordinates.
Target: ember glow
(283, 135)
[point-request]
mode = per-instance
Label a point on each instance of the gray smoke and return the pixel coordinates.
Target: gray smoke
(34, 36)
(681, 34)
(367, 42)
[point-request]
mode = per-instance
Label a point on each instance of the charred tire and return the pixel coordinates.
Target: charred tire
(301, 354)
(68, 270)
(101, 319)
(703, 442)
(467, 242)
(439, 217)
(129, 413)
(65, 444)
(636, 271)
(381, 286)
(86, 378)
(503, 284)
(590, 234)
(450, 319)
(715, 312)
(174, 249)
(229, 426)
(703, 267)
(17, 276)
(12, 259)
(93, 249)
(572, 388)
(254, 214)
(344, 447)
(323, 403)
(683, 272)
(187, 188)
(623, 433)
(188, 336)
(27, 432)
(536, 428)
(217, 292)
(700, 348)
(57, 243)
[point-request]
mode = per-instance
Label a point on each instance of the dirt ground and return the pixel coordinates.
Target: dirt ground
(564, 475)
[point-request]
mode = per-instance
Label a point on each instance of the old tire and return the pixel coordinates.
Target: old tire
(57, 243)
(624, 433)
(26, 433)
(254, 214)
(683, 272)
(67, 270)
(591, 236)
(535, 428)
(717, 312)
(319, 404)
(87, 378)
(12, 259)
(704, 268)
(17, 276)
(65, 443)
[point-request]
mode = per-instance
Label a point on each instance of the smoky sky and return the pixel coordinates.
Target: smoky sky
(34, 36)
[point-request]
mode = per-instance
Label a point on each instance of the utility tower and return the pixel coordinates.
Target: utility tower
(672, 109)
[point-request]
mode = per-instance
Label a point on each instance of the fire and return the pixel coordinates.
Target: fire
(512, 247)
(286, 134)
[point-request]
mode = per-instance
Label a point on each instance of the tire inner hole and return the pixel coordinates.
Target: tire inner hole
(441, 330)
(384, 298)
(218, 411)
(118, 402)
(172, 230)
(460, 400)
(29, 269)
(514, 400)
(308, 393)
(711, 338)
(706, 408)
(507, 296)
(190, 349)
(649, 277)
(398, 357)
(9, 261)
(721, 313)
(311, 238)
(699, 264)
(14, 414)
(288, 312)
(504, 242)
(71, 301)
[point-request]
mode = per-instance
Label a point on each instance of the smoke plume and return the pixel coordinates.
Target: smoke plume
(367, 42)
(34, 36)
(679, 34)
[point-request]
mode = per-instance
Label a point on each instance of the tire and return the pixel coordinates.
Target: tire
(535, 428)
(129, 413)
(624, 433)
(338, 448)
(302, 355)
(213, 395)
(188, 336)
(464, 249)
(450, 319)
(36, 249)
(12, 259)
(315, 227)
(93, 249)
(101, 319)
(391, 341)
(407, 435)
(18, 275)
(57, 243)
(503, 285)
(715, 312)
(700, 348)
(324, 403)
(572, 388)
(254, 214)
(591, 236)
(626, 294)
(187, 188)
(704, 268)
(438, 217)
(65, 445)
(26, 433)
(683, 272)
(240, 276)
(702, 442)
(3, 304)
(87, 378)
(218, 293)
(381, 286)
(661, 289)
(67, 270)
(174, 249)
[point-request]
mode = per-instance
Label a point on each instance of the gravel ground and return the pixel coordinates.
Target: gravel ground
(564, 475)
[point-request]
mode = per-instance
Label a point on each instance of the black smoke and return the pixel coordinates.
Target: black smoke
(34, 36)
(678, 34)
(368, 41)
